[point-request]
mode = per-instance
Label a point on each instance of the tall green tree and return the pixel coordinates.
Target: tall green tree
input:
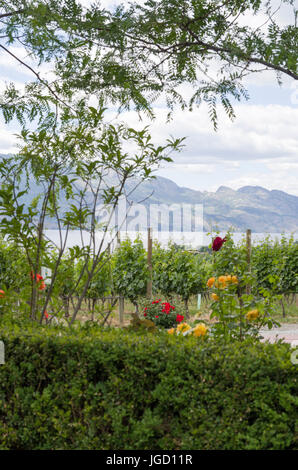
(77, 158)
(129, 56)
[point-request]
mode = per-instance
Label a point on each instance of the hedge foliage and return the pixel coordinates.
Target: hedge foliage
(114, 389)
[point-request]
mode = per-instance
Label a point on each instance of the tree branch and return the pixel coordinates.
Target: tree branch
(254, 60)
(38, 77)
(17, 12)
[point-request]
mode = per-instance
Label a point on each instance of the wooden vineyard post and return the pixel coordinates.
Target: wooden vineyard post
(248, 257)
(149, 260)
(121, 309)
(121, 298)
(34, 292)
(110, 301)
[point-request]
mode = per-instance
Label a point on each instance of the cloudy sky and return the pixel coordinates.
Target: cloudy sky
(259, 148)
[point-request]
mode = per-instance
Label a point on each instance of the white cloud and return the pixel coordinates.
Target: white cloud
(259, 148)
(202, 168)
(273, 180)
(7, 141)
(281, 165)
(259, 132)
(4, 82)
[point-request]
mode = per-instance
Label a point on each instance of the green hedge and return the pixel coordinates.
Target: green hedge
(116, 389)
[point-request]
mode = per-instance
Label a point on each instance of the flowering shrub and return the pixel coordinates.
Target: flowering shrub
(239, 305)
(162, 314)
(238, 314)
(39, 281)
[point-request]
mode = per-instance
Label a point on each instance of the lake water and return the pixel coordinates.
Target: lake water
(192, 240)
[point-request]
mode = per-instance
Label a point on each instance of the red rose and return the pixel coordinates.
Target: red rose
(179, 318)
(217, 243)
(38, 277)
(145, 314)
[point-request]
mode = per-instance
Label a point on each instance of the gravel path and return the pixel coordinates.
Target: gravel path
(287, 331)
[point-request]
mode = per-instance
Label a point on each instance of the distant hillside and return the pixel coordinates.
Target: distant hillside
(251, 207)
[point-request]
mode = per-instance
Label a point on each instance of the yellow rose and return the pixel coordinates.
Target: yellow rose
(200, 330)
(182, 327)
(222, 282)
(252, 314)
(214, 296)
(234, 280)
(229, 278)
(171, 331)
(211, 281)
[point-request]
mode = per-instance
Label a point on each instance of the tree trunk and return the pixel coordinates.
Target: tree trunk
(186, 308)
(93, 308)
(283, 308)
(66, 306)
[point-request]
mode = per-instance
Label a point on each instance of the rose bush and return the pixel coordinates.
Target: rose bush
(162, 314)
(238, 315)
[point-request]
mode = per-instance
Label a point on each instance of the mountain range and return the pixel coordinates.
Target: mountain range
(252, 207)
